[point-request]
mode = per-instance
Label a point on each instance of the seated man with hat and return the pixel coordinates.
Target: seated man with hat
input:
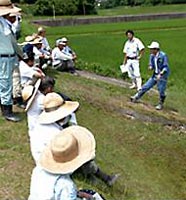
(56, 114)
(61, 60)
(66, 152)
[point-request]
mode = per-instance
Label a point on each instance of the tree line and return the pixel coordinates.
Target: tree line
(85, 7)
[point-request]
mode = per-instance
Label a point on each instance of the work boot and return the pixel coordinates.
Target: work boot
(8, 114)
(134, 98)
(108, 179)
(159, 106)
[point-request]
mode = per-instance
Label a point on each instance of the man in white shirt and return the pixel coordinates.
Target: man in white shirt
(27, 70)
(61, 60)
(133, 51)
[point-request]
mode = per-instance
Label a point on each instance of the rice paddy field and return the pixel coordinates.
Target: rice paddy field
(150, 156)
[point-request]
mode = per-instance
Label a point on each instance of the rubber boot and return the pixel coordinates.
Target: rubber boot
(133, 85)
(138, 83)
(8, 114)
(19, 102)
(108, 179)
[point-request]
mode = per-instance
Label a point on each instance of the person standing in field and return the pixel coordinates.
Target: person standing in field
(9, 53)
(133, 51)
(158, 62)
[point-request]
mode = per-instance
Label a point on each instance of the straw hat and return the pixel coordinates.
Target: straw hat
(56, 108)
(37, 40)
(68, 150)
(29, 92)
(6, 7)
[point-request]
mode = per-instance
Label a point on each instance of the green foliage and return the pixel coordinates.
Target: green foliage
(114, 3)
(64, 7)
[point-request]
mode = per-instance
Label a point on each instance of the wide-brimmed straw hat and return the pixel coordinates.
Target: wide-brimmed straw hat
(29, 92)
(56, 108)
(6, 7)
(68, 150)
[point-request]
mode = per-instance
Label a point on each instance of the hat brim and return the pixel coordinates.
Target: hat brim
(152, 47)
(66, 109)
(86, 144)
(36, 87)
(6, 10)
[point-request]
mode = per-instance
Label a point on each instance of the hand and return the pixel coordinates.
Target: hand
(150, 67)
(158, 76)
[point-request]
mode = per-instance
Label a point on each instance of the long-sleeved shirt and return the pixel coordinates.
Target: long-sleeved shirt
(47, 186)
(58, 56)
(159, 63)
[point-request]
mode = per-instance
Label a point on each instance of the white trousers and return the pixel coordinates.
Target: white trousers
(133, 68)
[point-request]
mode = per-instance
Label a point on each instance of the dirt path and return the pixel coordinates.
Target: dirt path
(135, 115)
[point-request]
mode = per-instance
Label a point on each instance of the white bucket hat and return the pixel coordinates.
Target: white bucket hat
(6, 7)
(154, 45)
(29, 92)
(56, 108)
(68, 150)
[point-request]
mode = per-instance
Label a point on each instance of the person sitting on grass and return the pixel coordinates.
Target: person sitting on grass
(56, 116)
(29, 73)
(66, 152)
(61, 61)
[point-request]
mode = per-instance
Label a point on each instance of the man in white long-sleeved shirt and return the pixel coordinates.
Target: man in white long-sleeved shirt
(62, 61)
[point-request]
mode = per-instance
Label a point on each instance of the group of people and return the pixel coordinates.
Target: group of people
(59, 146)
(22, 64)
(61, 57)
(158, 62)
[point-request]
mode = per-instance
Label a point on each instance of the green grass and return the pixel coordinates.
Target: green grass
(99, 48)
(150, 157)
(125, 10)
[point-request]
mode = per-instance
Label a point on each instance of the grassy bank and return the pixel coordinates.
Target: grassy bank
(150, 157)
(99, 49)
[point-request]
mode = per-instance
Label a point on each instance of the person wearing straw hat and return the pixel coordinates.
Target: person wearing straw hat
(51, 120)
(42, 58)
(66, 152)
(17, 99)
(33, 99)
(45, 44)
(9, 50)
(158, 62)
(55, 116)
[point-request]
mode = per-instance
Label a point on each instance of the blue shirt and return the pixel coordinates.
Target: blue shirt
(159, 64)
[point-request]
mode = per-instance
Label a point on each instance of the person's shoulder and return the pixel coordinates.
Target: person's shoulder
(137, 39)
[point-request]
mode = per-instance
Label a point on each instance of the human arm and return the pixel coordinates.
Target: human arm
(141, 52)
(125, 59)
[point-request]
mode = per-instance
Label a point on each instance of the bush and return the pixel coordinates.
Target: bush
(65, 7)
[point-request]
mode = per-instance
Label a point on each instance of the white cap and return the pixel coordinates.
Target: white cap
(40, 29)
(154, 45)
(64, 39)
(59, 41)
